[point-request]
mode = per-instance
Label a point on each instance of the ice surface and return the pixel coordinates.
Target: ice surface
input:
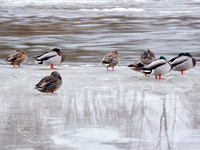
(99, 109)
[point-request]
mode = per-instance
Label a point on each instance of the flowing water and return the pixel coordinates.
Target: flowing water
(96, 109)
(86, 30)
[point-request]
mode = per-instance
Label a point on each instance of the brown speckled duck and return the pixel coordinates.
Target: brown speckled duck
(49, 84)
(17, 58)
(146, 58)
(111, 59)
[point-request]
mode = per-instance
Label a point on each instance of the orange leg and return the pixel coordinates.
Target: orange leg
(147, 75)
(181, 72)
(52, 67)
(113, 69)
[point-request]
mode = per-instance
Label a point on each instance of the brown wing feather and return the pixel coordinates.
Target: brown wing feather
(16, 58)
(48, 84)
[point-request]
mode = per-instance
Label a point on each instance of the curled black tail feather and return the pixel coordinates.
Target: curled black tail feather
(146, 71)
(105, 62)
(39, 61)
(131, 65)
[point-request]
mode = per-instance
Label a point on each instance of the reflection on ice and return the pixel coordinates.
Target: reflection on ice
(98, 109)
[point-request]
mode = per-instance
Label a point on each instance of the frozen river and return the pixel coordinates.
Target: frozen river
(97, 109)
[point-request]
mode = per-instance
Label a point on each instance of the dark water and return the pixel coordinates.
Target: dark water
(86, 31)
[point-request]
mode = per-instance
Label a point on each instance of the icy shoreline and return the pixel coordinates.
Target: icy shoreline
(99, 109)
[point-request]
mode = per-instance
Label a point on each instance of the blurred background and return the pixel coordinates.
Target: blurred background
(85, 30)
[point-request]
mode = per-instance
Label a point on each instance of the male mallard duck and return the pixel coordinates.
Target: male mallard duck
(111, 59)
(49, 84)
(16, 58)
(158, 67)
(146, 58)
(182, 62)
(54, 57)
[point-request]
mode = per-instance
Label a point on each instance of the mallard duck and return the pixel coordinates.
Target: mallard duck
(17, 58)
(49, 84)
(146, 58)
(54, 57)
(182, 62)
(158, 67)
(111, 59)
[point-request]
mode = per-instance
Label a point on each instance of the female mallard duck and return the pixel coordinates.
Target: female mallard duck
(54, 57)
(17, 58)
(111, 59)
(158, 67)
(182, 62)
(49, 84)
(146, 58)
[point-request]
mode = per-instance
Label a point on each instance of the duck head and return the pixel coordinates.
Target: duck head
(115, 52)
(149, 55)
(56, 74)
(188, 54)
(21, 51)
(162, 57)
(181, 54)
(56, 50)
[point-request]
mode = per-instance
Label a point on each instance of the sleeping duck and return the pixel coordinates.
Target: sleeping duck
(158, 67)
(182, 62)
(52, 58)
(146, 58)
(17, 58)
(111, 59)
(49, 84)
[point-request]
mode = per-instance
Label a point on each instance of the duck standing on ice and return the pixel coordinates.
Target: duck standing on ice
(111, 59)
(52, 58)
(17, 58)
(49, 84)
(146, 58)
(182, 62)
(158, 67)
